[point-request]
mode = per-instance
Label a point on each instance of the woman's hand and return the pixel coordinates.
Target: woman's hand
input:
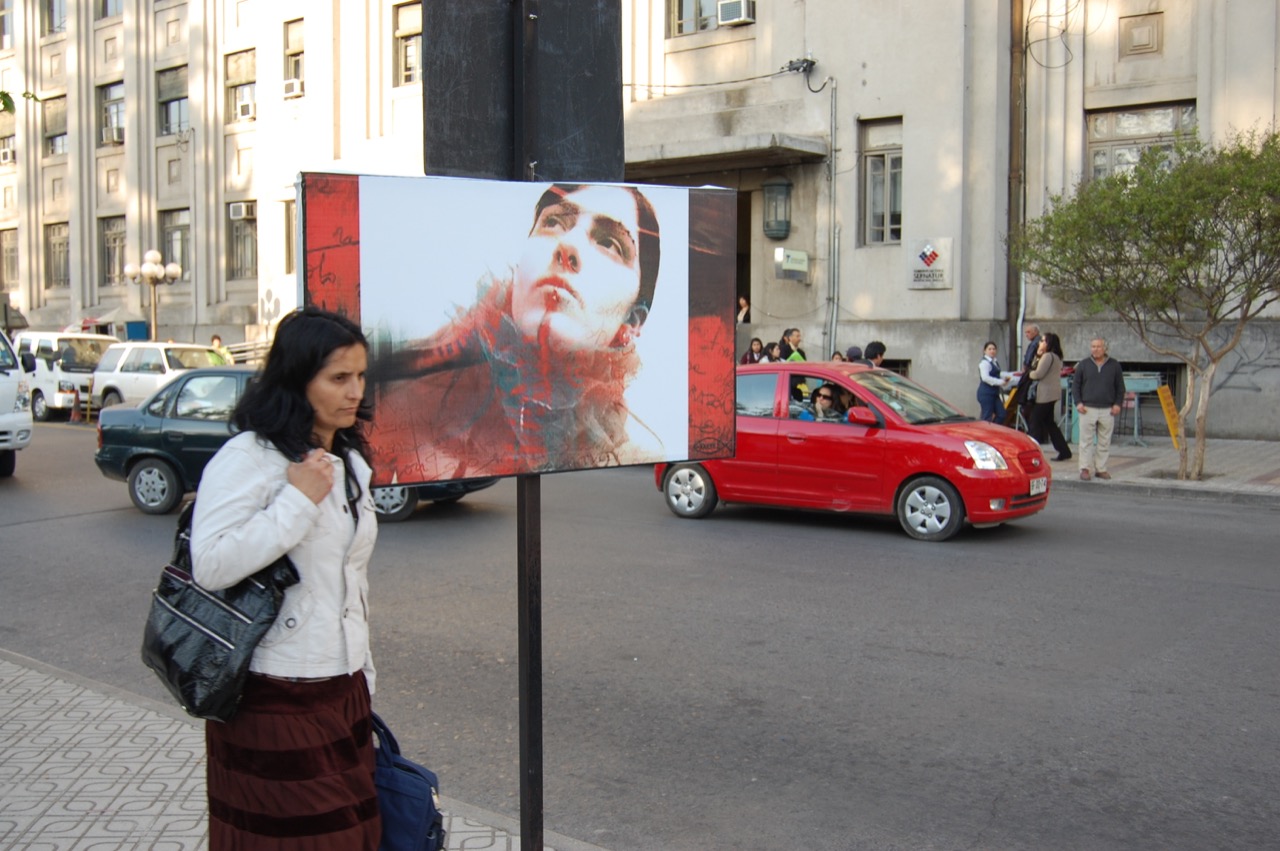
(313, 475)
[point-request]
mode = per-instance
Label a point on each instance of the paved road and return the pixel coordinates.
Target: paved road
(1101, 676)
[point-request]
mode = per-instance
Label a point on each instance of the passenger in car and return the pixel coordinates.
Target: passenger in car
(823, 399)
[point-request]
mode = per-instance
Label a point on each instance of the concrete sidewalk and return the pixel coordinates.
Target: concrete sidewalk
(1238, 471)
(84, 765)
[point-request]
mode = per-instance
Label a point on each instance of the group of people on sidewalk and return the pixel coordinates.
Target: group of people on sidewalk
(788, 349)
(1097, 388)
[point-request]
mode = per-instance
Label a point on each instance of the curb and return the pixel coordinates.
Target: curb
(1167, 491)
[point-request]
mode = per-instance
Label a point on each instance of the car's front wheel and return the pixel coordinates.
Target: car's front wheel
(39, 407)
(111, 398)
(154, 486)
(394, 503)
(930, 509)
(8, 462)
(689, 491)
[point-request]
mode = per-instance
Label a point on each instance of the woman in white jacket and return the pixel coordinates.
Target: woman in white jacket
(294, 767)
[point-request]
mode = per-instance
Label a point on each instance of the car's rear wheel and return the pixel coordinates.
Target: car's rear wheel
(689, 491)
(8, 462)
(154, 486)
(111, 398)
(39, 407)
(930, 509)
(394, 504)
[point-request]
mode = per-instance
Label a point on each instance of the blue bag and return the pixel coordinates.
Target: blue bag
(408, 797)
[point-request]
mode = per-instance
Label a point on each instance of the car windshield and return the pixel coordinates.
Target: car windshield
(80, 355)
(7, 360)
(911, 401)
(191, 358)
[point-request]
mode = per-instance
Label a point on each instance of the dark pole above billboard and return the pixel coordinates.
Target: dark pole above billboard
(495, 78)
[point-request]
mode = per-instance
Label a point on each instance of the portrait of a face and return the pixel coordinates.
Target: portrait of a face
(557, 329)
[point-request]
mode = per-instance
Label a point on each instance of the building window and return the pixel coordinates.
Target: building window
(6, 24)
(171, 89)
(111, 114)
(881, 181)
(55, 125)
(55, 16)
(242, 243)
(175, 239)
(1118, 137)
(242, 76)
(690, 16)
(108, 8)
(111, 249)
(408, 18)
(8, 136)
(9, 260)
(293, 58)
(290, 237)
(57, 247)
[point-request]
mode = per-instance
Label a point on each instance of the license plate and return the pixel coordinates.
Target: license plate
(1039, 486)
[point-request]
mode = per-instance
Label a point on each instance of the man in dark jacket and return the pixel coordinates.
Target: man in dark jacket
(1098, 388)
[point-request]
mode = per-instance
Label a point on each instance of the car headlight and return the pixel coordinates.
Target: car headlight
(22, 401)
(985, 456)
(66, 387)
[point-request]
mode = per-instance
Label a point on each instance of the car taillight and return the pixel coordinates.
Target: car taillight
(99, 434)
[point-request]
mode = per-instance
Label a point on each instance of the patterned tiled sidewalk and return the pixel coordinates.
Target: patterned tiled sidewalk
(86, 767)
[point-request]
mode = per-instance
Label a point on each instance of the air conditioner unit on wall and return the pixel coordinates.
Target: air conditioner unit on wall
(8, 156)
(240, 210)
(246, 110)
(735, 13)
(293, 88)
(113, 135)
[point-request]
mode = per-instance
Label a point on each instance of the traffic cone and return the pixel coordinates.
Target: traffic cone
(75, 408)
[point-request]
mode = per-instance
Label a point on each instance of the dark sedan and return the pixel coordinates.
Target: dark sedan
(162, 446)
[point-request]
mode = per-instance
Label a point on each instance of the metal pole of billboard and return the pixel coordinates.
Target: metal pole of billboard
(528, 488)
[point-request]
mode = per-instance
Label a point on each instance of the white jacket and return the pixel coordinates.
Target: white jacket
(248, 515)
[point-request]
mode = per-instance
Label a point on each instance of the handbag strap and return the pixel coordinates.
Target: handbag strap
(387, 744)
(182, 538)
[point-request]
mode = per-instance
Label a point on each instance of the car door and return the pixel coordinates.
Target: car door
(834, 464)
(197, 423)
(138, 373)
(751, 474)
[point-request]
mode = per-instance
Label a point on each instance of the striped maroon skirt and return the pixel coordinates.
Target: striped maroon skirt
(294, 769)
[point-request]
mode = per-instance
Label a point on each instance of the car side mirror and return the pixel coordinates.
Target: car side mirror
(859, 415)
(28, 362)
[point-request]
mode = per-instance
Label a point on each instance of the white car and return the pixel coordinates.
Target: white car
(15, 405)
(65, 361)
(130, 372)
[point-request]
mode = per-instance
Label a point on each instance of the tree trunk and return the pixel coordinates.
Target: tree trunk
(1204, 385)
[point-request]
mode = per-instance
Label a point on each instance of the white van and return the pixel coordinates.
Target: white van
(65, 361)
(15, 405)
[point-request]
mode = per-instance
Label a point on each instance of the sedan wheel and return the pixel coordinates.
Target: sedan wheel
(689, 491)
(154, 486)
(39, 407)
(395, 503)
(930, 509)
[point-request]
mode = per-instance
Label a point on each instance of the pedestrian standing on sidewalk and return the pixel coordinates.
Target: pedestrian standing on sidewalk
(991, 380)
(1047, 373)
(293, 769)
(1098, 388)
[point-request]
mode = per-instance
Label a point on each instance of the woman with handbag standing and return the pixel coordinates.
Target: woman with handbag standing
(1047, 372)
(294, 767)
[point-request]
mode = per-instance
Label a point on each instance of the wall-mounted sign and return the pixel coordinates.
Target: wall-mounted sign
(929, 264)
(791, 265)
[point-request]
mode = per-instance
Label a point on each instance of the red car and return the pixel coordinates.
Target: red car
(880, 444)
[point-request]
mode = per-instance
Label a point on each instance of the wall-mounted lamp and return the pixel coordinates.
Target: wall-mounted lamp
(777, 207)
(152, 271)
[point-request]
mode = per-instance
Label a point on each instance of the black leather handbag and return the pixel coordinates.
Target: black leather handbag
(200, 642)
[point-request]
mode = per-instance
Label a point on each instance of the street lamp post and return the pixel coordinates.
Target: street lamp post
(153, 271)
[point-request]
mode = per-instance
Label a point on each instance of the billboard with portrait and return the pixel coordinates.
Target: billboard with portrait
(521, 328)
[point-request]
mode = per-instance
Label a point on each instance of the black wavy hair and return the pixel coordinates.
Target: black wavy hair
(275, 403)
